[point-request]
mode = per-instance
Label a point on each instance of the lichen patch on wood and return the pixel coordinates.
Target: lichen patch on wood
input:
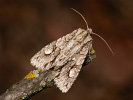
(32, 74)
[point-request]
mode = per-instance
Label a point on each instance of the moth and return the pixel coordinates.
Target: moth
(67, 55)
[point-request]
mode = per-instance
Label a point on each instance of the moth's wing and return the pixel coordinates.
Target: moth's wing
(68, 74)
(44, 58)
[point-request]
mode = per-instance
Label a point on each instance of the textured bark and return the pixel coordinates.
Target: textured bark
(26, 88)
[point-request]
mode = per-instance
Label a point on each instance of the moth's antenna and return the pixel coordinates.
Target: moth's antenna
(104, 42)
(81, 16)
(91, 30)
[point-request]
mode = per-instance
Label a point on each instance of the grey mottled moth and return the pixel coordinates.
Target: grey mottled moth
(66, 56)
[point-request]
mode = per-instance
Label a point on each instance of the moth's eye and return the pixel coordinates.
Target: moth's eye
(92, 51)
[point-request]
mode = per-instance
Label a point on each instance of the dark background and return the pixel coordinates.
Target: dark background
(28, 25)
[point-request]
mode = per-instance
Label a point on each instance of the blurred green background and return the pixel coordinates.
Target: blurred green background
(28, 25)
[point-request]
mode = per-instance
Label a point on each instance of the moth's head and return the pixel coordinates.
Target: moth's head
(89, 30)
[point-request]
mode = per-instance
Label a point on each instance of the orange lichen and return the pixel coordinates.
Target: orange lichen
(92, 51)
(39, 69)
(30, 75)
